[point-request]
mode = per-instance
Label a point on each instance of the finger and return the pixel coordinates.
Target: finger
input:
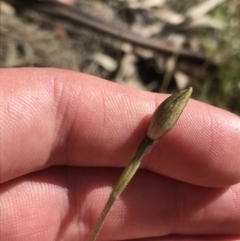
(57, 117)
(192, 238)
(64, 204)
(67, 1)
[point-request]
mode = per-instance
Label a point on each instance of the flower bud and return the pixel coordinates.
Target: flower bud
(166, 115)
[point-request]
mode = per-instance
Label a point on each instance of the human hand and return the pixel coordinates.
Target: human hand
(64, 140)
(67, 1)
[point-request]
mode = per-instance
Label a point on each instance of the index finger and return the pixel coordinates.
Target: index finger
(58, 117)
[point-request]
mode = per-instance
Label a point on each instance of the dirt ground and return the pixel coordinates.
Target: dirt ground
(32, 37)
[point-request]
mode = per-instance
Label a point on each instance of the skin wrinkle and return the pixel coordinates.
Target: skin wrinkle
(3, 132)
(56, 101)
(103, 137)
(208, 154)
(104, 115)
(73, 202)
(235, 199)
(213, 126)
(122, 119)
(211, 136)
(69, 137)
(182, 205)
(93, 98)
(58, 116)
(99, 117)
(208, 140)
(219, 216)
(217, 166)
(119, 100)
(175, 212)
(49, 122)
(189, 229)
(178, 214)
(17, 106)
(191, 208)
(111, 102)
(189, 238)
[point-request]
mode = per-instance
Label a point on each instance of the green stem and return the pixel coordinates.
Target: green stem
(124, 179)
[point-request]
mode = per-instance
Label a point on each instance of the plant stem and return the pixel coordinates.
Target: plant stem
(124, 179)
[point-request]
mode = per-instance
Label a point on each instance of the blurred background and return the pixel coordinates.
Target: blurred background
(154, 45)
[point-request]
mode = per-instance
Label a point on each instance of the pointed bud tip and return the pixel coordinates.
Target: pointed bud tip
(166, 115)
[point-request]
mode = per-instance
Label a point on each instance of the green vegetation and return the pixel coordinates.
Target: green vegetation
(223, 89)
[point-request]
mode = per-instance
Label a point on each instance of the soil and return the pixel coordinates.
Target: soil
(33, 38)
